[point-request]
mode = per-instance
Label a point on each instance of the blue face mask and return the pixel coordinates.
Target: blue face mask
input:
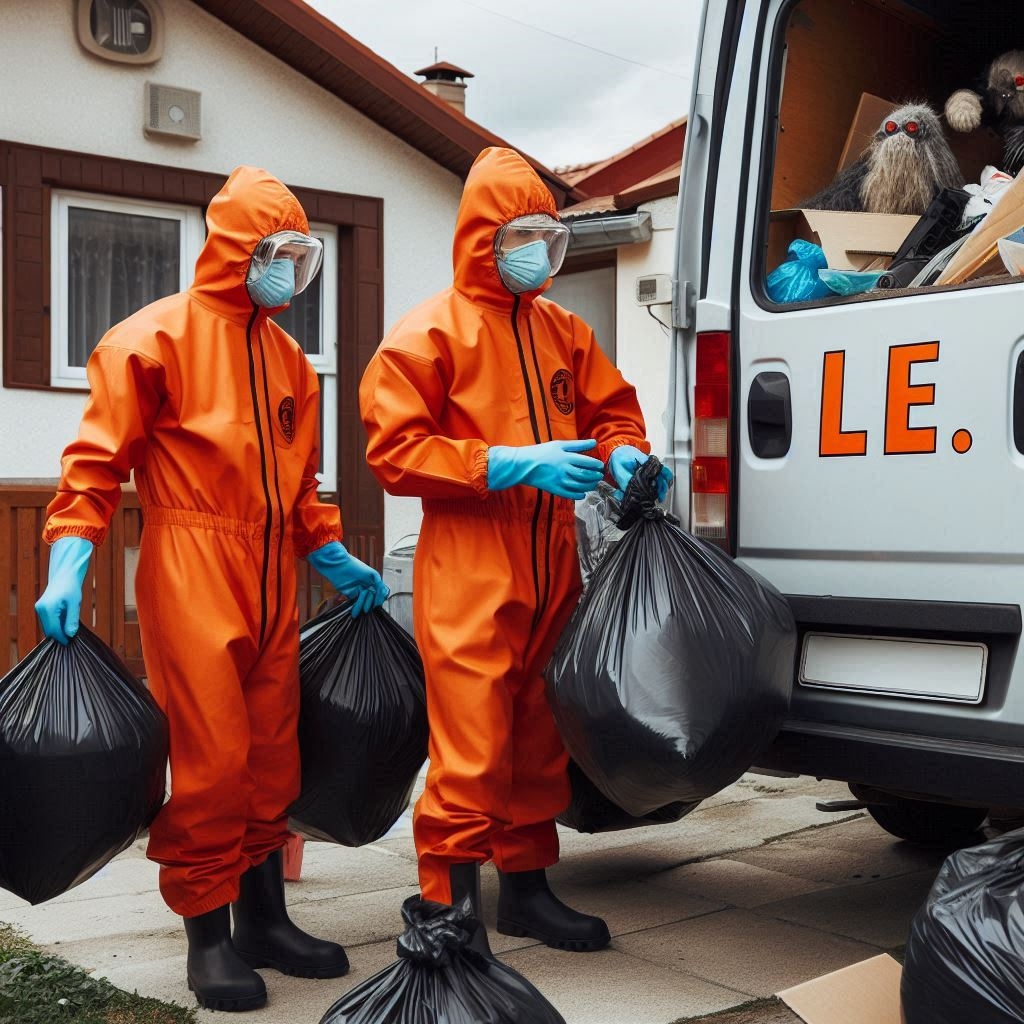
(276, 286)
(525, 269)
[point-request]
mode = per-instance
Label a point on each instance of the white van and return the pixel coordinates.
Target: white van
(864, 454)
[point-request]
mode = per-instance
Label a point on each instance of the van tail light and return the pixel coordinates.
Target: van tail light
(710, 477)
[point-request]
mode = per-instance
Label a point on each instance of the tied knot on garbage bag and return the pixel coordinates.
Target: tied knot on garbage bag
(439, 978)
(640, 500)
(435, 932)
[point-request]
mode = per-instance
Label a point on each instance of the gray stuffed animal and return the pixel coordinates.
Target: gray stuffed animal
(999, 103)
(906, 164)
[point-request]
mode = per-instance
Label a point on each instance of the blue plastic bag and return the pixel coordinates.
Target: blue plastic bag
(797, 279)
(850, 282)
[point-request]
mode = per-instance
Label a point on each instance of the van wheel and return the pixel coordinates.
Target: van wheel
(927, 823)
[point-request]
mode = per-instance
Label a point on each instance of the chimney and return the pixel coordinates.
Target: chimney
(446, 81)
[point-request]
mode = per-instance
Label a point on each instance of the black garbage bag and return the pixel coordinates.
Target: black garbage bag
(83, 765)
(965, 955)
(591, 811)
(438, 979)
(676, 668)
(362, 725)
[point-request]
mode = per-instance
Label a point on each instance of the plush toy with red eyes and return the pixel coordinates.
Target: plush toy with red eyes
(907, 163)
(999, 104)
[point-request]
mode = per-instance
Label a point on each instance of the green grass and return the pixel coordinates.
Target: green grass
(39, 988)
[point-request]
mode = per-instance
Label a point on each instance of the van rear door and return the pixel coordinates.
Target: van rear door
(878, 475)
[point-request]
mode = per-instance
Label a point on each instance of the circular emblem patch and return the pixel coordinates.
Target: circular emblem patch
(561, 391)
(286, 417)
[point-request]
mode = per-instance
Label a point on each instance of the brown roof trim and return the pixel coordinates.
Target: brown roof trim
(313, 45)
(634, 164)
(657, 186)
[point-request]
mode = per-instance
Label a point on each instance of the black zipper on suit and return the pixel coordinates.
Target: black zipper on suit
(263, 470)
(277, 483)
(542, 603)
(536, 437)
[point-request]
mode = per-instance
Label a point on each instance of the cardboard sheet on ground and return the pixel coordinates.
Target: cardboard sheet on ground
(864, 993)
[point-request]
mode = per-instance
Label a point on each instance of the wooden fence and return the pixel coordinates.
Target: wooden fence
(108, 605)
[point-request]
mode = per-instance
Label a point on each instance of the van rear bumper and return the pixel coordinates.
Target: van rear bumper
(966, 771)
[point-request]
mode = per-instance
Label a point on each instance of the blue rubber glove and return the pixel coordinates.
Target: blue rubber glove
(557, 467)
(625, 460)
(60, 606)
(360, 583)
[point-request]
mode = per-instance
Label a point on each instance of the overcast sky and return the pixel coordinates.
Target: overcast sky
(558, 99)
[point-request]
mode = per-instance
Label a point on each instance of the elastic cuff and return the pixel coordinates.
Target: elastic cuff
(605, 448)
(314, 541)
(479, 475)
(90, 533)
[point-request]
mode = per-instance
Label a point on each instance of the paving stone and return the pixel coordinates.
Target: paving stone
(879, 912)
(611, 987)
(355, 920)
(745, 951)
(291, 1000)
(329, 870)
(845, 861)
(734, 882)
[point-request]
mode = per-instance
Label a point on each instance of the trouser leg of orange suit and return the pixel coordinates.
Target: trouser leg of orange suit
(272, 702)
(198, 594)
(542, 760)
(474, 617)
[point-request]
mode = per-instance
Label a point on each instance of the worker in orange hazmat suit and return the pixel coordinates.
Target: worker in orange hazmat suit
(477, 402)
(216, 409)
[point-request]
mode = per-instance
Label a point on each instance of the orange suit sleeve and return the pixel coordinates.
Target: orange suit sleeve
(314, 522)
(127, 389)
(401, 398)
(607, 406)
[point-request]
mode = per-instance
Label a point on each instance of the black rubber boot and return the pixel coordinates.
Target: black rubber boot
(266, 937)
(528, 907)
(465, 881)
(216, 974)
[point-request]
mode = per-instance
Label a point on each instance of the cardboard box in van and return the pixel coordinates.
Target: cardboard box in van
(871, 112)
(851, 241)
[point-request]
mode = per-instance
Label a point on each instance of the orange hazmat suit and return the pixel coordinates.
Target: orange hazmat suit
(496, 574)
(216, 409)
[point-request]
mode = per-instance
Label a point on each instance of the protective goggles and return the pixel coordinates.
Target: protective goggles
(305, 252)
(534, 227)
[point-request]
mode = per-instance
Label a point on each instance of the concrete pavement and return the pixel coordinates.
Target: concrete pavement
(753, 892)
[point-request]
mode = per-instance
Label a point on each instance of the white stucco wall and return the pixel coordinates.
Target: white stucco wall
(256, 110)
(642, 347)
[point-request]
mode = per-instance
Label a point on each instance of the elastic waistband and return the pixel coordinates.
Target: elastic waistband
(498, 508)
(191, 519)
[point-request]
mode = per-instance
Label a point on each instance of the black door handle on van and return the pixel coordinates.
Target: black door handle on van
(770, 415)
(1018, 405)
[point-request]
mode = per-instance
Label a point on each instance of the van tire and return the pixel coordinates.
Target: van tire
(928, 824)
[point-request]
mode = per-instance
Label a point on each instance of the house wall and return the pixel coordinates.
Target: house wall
(642, 346)
(256, 110)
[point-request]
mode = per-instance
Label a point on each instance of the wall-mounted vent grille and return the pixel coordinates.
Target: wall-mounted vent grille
(174, 112)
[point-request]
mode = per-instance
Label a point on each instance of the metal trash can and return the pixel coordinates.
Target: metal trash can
(397, 578)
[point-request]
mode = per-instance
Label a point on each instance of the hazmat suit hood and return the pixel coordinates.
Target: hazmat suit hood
(500, 186)
(251, 205)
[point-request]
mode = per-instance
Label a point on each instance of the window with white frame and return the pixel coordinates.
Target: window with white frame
(312, 320)
(109, 258)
